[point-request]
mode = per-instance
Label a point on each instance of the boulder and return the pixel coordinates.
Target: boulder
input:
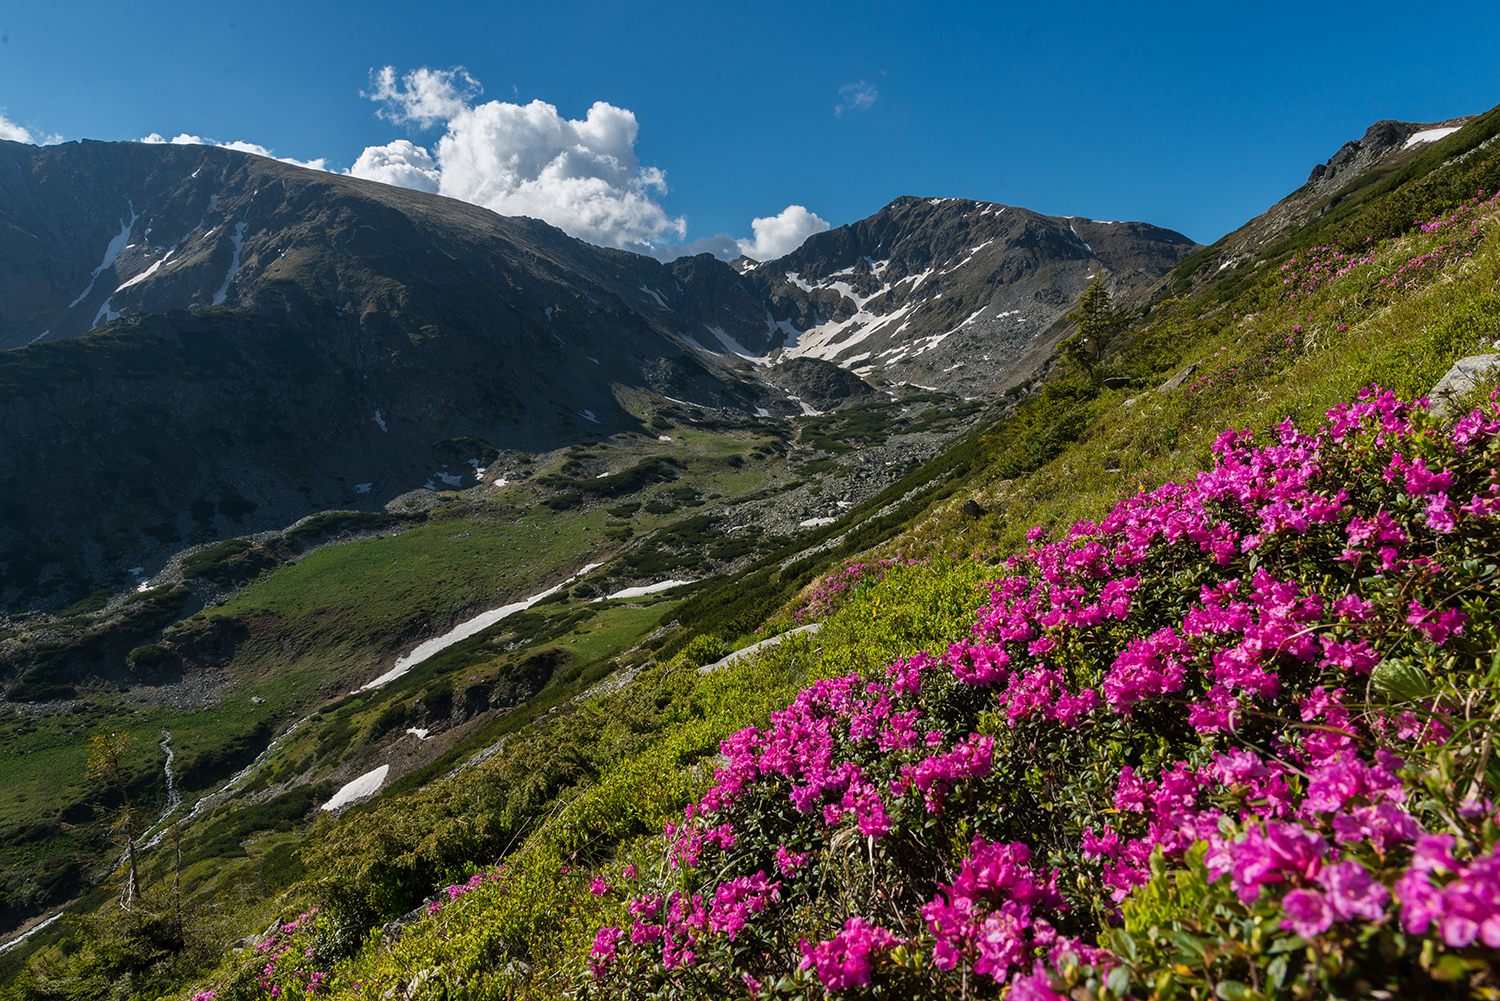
(1465, 375)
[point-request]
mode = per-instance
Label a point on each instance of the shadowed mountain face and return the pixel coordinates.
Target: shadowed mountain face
(277, 340)
(285, 340)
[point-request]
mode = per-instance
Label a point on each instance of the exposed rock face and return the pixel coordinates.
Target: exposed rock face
(949, 293)
(1386, 145)
(820, 384)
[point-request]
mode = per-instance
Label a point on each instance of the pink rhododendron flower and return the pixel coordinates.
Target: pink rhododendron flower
(846, 960)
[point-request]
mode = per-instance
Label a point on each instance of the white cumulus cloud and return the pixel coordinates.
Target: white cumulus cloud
(580, 175)
(775, 236)
(423, 96)
(521, 160)
(185, 139)
(402, 163)
(15, 133)
(780, 234)
(21, 134)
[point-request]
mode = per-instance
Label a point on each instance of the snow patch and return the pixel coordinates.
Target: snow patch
(418, 732)
(638, 592)
(663, 438)
(363, 787)
(111, 254)
(464, 630)
(655, 295)
(816, 522)
(686, 403)
(1428, 136)
(363, 488)
(145, 274)
(1082, 240)
(737, 348)
(234, 267)
(548, 311)
(827, 340)
(377, 419)
(588, 415)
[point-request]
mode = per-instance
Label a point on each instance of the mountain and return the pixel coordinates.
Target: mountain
(282, 340)
(1385, 155)
(953, 294)
(204, 342)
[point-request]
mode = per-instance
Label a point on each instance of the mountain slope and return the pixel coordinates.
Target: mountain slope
(289, 340)
(950, 293)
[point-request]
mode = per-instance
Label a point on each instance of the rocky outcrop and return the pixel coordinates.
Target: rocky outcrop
(949, 293)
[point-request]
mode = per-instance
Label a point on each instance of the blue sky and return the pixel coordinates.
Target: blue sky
(1177, 114)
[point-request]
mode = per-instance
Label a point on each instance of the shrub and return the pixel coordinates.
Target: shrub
(1242, 713)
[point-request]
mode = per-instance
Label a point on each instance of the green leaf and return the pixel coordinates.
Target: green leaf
(1123, 944)
(1275, 974)
(1119, 981)
(1233, 990)
(1451, 967)
(1189, 944)
(1287, 944)
(1400, 680)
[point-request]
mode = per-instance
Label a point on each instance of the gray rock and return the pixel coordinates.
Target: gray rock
(413, 501)
(1465, 375)
(754, 648)
(1178, 379)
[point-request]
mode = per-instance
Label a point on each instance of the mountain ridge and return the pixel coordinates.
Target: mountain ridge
(277, 340)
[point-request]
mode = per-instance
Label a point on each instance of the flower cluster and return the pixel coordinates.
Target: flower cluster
(985, 916)
(1238, 611)
(456, 890)
(845, 960)
(292, 960)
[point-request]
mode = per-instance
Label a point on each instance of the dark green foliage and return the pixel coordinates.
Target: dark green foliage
(147, 617)
(1042, 428)
(624, 510)
(628, 481)
(564, 501)
(230, 563)
(391, 717)
(460, 451)
(285, 812)
(148, 658)
(331, 523)
(93, 603)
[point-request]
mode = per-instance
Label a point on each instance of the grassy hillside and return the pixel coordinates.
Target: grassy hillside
(948, 808)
